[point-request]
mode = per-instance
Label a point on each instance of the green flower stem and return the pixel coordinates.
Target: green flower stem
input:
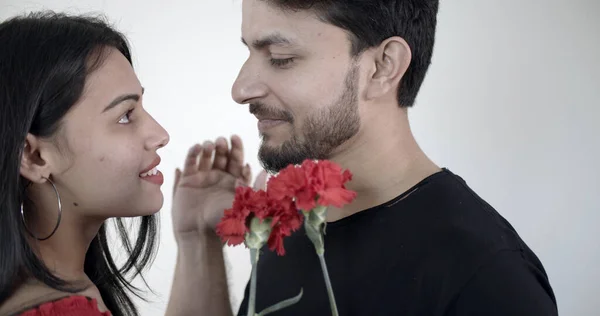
(282, 304)
(334, 311)
(254, 254)
(315, 223)
(255, 239)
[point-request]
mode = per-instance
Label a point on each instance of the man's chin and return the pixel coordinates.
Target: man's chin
(274, 140)
(274, 159)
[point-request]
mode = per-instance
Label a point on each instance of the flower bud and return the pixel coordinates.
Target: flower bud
(259, 233)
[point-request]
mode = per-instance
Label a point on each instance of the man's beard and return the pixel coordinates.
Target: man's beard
(322, 132)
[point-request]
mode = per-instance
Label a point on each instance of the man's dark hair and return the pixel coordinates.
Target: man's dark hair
(370, 22)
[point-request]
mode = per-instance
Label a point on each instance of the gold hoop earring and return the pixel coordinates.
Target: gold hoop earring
(57, 222)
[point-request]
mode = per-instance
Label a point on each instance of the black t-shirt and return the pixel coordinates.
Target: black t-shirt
(437, 249)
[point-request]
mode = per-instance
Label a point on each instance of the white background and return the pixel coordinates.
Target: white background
(510, 103)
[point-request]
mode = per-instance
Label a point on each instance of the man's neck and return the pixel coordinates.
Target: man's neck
(385, 162)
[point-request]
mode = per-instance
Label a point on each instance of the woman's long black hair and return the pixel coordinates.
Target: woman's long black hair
(45, 58)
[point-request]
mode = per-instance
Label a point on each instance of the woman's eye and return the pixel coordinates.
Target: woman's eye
(125, 118)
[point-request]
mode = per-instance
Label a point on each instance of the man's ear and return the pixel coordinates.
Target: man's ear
(33, 166)
(390, 60)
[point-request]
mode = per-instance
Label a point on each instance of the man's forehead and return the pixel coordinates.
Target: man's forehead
(265, 27)
(260, 19)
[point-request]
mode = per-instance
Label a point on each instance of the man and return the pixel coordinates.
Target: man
(333, 79)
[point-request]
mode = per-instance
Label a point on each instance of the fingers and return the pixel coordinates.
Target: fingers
(231, 161)
(177, 178)
(191, 160)
(235, 164)
(221, 154)
(247, 178)
(261, 181)
(247, 174)
(206, 157)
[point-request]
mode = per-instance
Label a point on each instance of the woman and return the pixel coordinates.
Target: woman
(78, 148)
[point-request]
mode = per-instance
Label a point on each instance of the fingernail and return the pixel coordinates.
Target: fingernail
(194, 148)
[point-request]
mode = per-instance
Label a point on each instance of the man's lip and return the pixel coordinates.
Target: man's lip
(264, 125)
(154, 163)
(268, 118)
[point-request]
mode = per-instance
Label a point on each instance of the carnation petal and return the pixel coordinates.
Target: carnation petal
(337, 197)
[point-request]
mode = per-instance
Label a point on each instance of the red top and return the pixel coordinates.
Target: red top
(68, 306)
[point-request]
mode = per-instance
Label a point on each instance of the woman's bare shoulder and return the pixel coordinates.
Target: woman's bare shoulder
(30, 295)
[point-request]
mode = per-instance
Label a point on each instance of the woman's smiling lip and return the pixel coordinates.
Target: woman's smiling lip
(151, 173)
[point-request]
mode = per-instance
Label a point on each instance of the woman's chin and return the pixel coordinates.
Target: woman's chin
(146, 208)
(151, 210)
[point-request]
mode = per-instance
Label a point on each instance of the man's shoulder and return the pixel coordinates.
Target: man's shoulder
(455, 212)
(462, 230)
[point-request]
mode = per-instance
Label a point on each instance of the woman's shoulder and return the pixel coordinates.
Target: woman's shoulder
(74, 305)
(33, 300)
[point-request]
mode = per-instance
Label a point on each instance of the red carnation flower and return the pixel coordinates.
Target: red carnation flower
(285, 219)
(313, 183)
(233, 226)
(282, 213)
(287, 183)
(328, 181)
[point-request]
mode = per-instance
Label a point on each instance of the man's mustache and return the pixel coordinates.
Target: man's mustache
(260, 109)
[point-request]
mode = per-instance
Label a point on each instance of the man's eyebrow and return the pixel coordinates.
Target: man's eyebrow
(266, 41)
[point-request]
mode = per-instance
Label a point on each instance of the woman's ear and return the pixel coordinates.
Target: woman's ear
(33, 165)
